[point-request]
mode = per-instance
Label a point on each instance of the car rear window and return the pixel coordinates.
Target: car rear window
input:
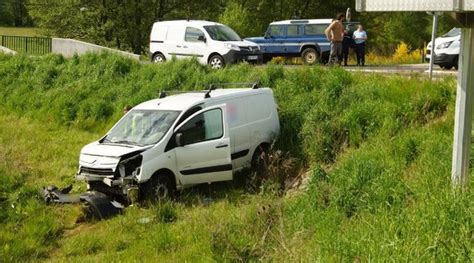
(314, 29)
(293, 31)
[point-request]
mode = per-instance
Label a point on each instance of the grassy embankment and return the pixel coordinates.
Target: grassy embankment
(21, 31)
(378, 149)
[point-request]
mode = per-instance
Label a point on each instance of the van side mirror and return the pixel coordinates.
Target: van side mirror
(179, 139)
(202, 38)
(267, 35)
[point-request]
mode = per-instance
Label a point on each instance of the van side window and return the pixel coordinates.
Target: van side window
(193, 34)
(293, 31)
(203, 127)
(188, 114)
(276, 31)
(312, 30)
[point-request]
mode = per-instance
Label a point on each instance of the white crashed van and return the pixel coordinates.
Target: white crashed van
(209, 42)
(181, 140)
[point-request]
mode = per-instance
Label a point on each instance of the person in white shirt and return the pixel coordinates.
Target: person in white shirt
(360, 36)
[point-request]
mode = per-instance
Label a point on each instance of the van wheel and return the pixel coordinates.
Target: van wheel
(160, 188)
(158, 58)
(216, 62)
(257, 161)
(448, 67)
(309, 56)
(456, 63)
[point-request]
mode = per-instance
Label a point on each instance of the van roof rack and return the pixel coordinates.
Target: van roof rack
(211, 87)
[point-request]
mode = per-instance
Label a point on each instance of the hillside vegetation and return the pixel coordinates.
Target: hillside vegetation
(378, 151)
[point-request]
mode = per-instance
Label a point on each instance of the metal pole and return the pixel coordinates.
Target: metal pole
(463, 114)
(433, 45)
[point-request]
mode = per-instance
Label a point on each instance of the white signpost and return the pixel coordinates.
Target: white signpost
(463, 12)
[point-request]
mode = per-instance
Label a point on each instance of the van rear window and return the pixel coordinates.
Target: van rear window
(312, 30)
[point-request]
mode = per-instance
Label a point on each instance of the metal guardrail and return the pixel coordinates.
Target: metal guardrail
(28, 45)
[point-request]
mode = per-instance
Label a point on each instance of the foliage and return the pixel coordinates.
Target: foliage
(14, 13)
(126, 24)
(240, 19)
(377, 148)
(403, 55)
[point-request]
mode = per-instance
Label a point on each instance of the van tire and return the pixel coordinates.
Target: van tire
(216, 62)
(159, 188)
(158, 58)
(309, 56)
(257, 162)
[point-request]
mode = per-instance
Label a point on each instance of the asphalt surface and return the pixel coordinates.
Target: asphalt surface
(404, 69)
(407, 69)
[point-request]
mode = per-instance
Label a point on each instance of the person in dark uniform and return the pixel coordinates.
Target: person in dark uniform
(347, 44)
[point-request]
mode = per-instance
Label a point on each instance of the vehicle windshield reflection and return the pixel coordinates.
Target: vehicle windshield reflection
(142, 127)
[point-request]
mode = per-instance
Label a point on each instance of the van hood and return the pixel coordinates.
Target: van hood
(441, 40)
(106, 156)
(110, 150)
(243, 43)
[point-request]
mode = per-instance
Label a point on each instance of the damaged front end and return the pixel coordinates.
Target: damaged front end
(112, 175)
(112, 181)
(96, 205)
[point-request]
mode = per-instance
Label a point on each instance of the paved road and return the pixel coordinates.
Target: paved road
(398, 69)
(406, 69)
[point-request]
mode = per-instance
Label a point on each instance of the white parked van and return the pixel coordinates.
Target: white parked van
(211, 43)
(447, 49)
(175, 141)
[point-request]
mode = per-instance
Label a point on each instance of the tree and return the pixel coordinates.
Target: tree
(14, 13)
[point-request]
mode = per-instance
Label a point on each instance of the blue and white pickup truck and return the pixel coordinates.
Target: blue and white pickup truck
(303, 38)
(294, 38)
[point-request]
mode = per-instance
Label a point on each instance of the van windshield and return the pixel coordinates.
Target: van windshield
(453, 32)
(222, 33)
(142, 127)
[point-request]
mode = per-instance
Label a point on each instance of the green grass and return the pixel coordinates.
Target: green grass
(378, 150)
(21, 31)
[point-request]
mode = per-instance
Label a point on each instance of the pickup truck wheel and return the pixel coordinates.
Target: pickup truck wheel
(216, 62)
(160, 188)
(158, 58)
(309, 56)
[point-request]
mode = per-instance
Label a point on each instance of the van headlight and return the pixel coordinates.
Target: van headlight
(232, 46)
(130, 166)
(444, 45)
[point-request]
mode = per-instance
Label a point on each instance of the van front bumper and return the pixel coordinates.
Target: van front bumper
(238, 56)
(442, 59)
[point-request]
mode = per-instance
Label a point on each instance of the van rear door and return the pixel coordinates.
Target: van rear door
(203, 151)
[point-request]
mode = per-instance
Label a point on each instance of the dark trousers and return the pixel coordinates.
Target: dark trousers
(345, 53)
(360, 51)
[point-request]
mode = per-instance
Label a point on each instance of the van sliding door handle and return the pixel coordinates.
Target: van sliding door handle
(178, 46)
(222, 146)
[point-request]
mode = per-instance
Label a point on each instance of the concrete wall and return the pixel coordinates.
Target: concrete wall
(69, 47)
(7, 50)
